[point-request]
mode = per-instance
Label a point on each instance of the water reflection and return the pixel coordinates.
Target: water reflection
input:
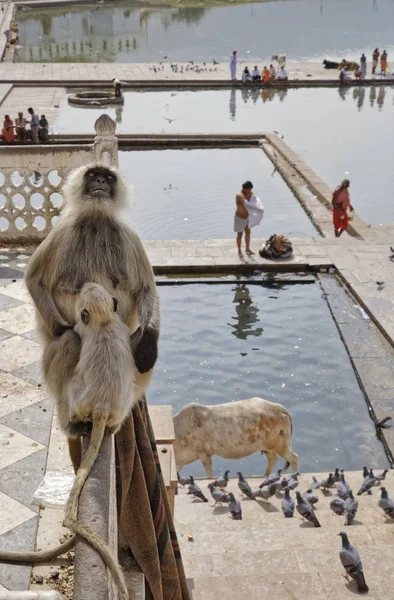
(311, 120)
(233, 104)
(250, 94)
(119, 33)
(246, 314)
(359, 96)
(105, 33)
(376, 95)
(199, 361)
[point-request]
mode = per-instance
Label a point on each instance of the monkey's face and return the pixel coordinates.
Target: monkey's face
(101, 183)
(96, 307)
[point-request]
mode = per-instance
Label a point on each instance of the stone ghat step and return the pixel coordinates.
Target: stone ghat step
(266, 556)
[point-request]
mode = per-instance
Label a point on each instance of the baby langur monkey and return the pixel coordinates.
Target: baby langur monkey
(101, 390)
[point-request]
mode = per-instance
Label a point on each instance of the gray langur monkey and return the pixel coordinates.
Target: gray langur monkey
(101, 390)
(91, 243)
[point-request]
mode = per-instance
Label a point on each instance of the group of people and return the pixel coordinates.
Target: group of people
(384, 68)
(360, 71)
(37, 132)
(267, 75)
(249, 212)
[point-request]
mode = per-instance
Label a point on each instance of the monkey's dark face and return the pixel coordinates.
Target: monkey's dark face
(101, 183)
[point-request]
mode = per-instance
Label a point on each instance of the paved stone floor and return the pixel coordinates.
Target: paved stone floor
(20, 72)
(44, 100)
(268, 557)
(25, 422)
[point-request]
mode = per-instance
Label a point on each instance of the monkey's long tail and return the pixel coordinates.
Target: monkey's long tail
(71, 511)
(37, 557)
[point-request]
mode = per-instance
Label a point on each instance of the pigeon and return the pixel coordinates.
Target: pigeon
(369, 482)
(351, 506)
(337, 506)
(273, 478)
(215, 62)
(194, 490)
(266, 492)
(327, 483)
(315, 484)
(310, 496)
(293, 481)
(217, 494)
(337, 474)
(222, 481)
(235, 507)
(183, 480)
(381, 476)
(306, 511)
(392, 249)
(386, 503)
(343, 488)
(382, 423)
(350, 559)
(280, 485)
(365, 472)
(287, 504)
(380, 284)
(244, 486)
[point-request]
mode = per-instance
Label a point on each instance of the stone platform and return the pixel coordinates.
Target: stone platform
(32, 443)
(268, 557)
(191, 73)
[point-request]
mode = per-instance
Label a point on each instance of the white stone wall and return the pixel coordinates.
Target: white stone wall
(30, 187)
(31, 178)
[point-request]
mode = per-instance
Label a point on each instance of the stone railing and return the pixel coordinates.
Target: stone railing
(31, 179)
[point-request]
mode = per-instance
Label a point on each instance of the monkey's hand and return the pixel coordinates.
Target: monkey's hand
(145, 351)
(59, 328)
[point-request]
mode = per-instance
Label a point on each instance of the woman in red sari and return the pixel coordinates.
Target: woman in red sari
(340, 204)
(8, 130)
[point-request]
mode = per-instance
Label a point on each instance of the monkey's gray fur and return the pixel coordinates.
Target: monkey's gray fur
(102, 390)
(103, 383)
(91, 243)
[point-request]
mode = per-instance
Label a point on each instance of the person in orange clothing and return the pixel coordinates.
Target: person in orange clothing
(340, 204)
(383, 62)
(8, 130)
(266, 75)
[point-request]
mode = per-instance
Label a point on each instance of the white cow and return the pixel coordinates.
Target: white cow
(280, 59)
(233, 430)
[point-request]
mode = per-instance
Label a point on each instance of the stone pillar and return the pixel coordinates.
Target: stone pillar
(106, 143)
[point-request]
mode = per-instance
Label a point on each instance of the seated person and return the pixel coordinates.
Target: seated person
(358, 73)
(282, 74)
(246, 75)
(344, 76)
(266, 75)
(256, 74)
(273, 72)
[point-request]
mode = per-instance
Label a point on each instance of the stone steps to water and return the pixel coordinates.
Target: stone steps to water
(268, 557)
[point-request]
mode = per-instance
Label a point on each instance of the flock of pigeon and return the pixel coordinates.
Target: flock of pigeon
(344, 503)
(190, 66)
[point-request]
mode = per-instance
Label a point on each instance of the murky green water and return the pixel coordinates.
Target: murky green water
(304, 30)
(180, 194)
(339, 132)
(229, 342)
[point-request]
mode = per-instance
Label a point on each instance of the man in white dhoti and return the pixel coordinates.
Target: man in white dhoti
(233, 65)
(248, 214)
